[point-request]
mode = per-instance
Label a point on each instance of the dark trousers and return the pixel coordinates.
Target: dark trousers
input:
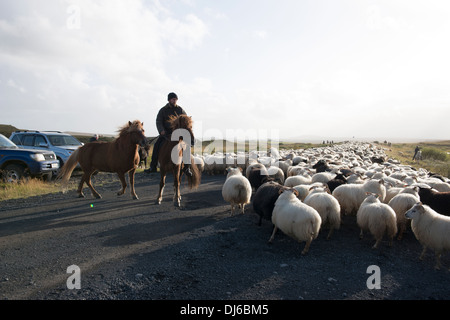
(155, 153)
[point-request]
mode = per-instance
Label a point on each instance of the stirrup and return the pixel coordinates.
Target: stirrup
(187, 171)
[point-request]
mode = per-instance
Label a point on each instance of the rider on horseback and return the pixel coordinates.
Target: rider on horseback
(170, 109)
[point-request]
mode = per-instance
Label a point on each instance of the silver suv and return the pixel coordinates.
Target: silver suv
(62, 144)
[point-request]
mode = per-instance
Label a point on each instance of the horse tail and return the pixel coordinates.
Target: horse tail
(66, 170)
(194, 180)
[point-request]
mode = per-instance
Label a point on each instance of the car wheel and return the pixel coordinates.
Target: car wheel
(13, 173)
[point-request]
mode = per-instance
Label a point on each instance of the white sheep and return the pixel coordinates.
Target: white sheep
(297, 180)
(327, 206)
(401, 203)
(237, 189)
(431, 229)
(276, 173)
(295, 219)
(350, 196)
(376, 217)
(323, 177)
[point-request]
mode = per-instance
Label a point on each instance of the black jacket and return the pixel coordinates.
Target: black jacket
(163, 117)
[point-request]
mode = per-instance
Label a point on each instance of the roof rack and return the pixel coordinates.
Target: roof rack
(36, 131)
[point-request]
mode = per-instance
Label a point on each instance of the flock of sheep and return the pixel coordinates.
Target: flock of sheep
(305, 191)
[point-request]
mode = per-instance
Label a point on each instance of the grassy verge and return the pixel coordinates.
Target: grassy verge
(435, 155)
(27, 188)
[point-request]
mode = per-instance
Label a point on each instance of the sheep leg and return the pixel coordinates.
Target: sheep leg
(377, 242)
(423, 253)
(391, 239)
(232, 209)
(402, 229)
(306, 249)
(243, 207)
(273, 234)
(438, 261)
(330, 233)
(361, 234)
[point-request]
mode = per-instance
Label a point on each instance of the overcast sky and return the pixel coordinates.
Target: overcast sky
(286, 68)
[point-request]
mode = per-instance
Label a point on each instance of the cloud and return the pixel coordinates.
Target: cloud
(88, 61)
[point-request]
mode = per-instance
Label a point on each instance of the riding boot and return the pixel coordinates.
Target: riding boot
(154, 162)
(187, 170)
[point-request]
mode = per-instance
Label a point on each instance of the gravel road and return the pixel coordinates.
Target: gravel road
(133, 250)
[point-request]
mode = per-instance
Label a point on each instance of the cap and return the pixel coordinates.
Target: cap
(172, 95)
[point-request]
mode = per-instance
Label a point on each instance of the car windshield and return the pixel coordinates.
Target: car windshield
(62, 140)
(6, 143)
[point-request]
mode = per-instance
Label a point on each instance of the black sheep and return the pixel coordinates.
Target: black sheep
(438, 201)
(337, 181)
(265, 198)
(321, 166)
(257, 175)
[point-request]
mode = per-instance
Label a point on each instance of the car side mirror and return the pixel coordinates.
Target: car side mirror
(43, 145)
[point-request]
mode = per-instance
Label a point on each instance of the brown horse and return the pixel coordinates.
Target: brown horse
(170, 159)
(120, 155)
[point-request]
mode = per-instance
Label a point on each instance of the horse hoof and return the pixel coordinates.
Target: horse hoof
(81, 195)
(97, 196)
(158, 202)
(135, 197)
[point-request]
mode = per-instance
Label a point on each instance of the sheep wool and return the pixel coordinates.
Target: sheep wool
(350, 196)
(401, 203)
(236, 190)
(328, 208)
(295, 219)
(431, 229)
(377, 218)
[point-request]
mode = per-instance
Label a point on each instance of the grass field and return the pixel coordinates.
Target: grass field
(436, 155)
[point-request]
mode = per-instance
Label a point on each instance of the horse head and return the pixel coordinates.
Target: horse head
(135, 130)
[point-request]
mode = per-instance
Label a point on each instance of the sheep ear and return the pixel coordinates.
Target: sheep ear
(296, 192)
(240, 169)
(376, 195)
(129, 123)
(280, 191)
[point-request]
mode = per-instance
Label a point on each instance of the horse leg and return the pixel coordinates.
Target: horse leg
(131, 175)
(123, 182)
(176, 189)
(80, 187)
(162, 182)
(87, 178)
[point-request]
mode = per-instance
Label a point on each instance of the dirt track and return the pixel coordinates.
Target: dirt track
(134, 249)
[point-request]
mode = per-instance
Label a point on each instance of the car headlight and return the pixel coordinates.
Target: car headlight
(37, 156)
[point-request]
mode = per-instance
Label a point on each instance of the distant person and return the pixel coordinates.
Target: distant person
(416, 153)
(94, 138)
(164, 130)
